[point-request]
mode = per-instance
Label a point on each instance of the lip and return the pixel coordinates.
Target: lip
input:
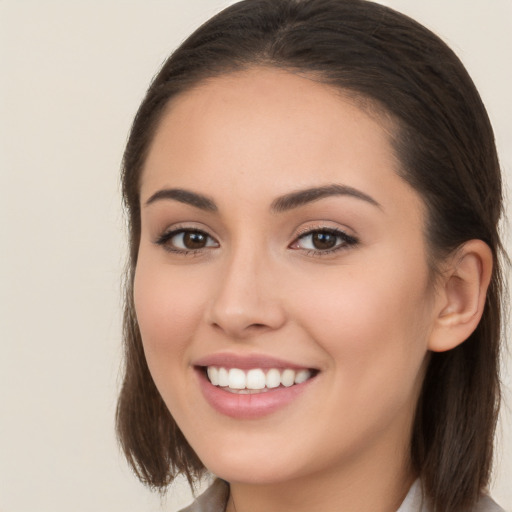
(254, 405)
(246, 362)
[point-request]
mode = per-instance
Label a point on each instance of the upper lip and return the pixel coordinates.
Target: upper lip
(247, 361)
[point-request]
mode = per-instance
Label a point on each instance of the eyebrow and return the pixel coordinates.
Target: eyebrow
(184, 196)
(302, 197)
(279, 205)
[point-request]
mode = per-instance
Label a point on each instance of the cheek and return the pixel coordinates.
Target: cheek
(168, 309)
(373, 322)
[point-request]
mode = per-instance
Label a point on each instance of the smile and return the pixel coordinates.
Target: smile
(255, 380)
(249, 387)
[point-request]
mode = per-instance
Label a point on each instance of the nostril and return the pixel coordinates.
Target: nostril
(242, 318)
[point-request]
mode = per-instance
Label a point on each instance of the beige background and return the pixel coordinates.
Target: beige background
(72, 74)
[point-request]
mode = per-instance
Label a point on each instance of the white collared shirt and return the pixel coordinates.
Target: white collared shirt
(215, 498)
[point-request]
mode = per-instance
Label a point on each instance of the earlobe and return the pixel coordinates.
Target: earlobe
(461, 295)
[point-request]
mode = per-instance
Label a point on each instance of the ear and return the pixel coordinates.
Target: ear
(460, 295)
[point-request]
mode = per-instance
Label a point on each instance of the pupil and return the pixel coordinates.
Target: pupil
(324, 240)
(194, 240)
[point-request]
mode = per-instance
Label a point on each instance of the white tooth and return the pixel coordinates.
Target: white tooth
(255, 379)
(223, 378)
(288, 378)
(237, 379)
(213, 375)
(273, 378)
(302, 376)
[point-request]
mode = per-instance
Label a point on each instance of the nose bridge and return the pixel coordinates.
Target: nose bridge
(245, 299)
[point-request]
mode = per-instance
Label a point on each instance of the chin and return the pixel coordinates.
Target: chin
(248, 472)
(255, 462)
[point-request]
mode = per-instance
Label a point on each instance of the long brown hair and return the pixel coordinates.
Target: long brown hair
(444, 141)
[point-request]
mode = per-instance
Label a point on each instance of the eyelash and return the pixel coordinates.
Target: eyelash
(346, 241)
(164, 239)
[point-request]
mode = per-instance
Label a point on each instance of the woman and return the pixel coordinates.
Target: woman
(313, 298)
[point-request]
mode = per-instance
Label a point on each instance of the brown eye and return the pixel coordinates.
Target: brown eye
(186, 240)
(194, 240)
(323, 240)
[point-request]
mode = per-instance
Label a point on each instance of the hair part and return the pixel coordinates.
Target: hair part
(445, 145)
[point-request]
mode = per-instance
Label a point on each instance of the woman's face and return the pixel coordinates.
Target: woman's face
(279, 245)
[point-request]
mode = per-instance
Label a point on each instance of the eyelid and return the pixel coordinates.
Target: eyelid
(168, 229)
(325, 226)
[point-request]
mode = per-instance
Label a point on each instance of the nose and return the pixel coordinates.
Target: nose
(246, 301)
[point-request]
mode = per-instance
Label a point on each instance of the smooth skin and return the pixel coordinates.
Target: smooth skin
(359, 306)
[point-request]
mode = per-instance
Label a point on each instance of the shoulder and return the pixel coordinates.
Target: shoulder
(212, 500)
(487, 504)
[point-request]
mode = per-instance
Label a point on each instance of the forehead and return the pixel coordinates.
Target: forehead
(268, 95)
(265, 129)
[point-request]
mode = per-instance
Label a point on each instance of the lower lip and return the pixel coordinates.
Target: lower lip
(249, 406)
